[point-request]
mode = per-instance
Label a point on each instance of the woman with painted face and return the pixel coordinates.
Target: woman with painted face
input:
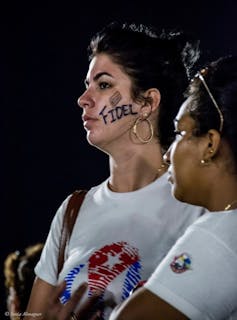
(126, 225)
(197, 278)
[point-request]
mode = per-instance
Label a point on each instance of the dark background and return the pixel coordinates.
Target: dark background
(43, 63)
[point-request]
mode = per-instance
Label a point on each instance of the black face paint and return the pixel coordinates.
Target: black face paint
(115, 98)
(116, 113)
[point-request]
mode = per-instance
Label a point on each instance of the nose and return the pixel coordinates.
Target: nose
(85, 100)
(166, 156)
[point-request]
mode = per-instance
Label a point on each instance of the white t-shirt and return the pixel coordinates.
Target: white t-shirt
(118, 238)
(199, 274)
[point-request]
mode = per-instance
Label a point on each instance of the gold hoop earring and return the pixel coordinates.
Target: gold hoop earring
(135, 131)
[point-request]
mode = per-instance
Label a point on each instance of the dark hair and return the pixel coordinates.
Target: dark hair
(19, 272)
(162, 61)
(221, 79)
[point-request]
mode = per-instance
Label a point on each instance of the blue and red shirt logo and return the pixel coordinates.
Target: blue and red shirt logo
(181, 263)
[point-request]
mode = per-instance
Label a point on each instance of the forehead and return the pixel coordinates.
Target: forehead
(183, 117)
(103, 63)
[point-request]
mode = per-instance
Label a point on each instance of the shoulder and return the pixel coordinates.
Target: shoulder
(96, 188)
(220, 226)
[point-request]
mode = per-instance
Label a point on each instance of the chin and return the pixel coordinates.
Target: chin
(178, 194)
(92, 139)
(95, 142)
(186, 198)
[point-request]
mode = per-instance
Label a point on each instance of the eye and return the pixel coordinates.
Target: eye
(179, 133)
(104, 85)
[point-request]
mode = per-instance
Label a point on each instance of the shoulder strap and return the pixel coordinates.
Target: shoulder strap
(69, 219)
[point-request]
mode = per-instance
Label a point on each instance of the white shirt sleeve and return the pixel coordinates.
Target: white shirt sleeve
(198, 276)
(47, 267)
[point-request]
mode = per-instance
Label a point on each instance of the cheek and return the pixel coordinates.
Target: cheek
(179, 158)
(110, 115)
(175, 156)
(183, 155)
(185, 173)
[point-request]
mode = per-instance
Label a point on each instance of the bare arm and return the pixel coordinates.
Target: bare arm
(143, 304)
(39, 300)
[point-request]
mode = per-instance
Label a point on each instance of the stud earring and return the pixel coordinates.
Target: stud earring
(205, 162)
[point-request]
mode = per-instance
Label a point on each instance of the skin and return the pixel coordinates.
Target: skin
(107, 85)
(57, 311)
(215, 184)
(185, 155)
(104, 78)
(127, 156)
(141, 305)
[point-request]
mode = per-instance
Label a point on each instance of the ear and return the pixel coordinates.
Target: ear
(211, 144)
(152, 102)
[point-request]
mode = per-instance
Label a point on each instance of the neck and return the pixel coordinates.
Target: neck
(223, 195)
(132, 170)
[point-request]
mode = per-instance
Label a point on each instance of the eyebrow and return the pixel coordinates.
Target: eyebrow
(97, 76)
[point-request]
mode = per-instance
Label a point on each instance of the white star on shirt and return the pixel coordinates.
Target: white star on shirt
(112, 260)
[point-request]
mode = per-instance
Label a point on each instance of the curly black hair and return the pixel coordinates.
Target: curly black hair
(221, 79)
(19, 272)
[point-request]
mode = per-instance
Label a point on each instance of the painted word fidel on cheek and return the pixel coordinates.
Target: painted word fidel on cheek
(116, 113)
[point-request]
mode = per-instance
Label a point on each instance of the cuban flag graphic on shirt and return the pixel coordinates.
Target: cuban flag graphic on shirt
(104, 265)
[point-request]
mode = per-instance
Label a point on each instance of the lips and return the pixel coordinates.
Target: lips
(87, 117)
(88, 121)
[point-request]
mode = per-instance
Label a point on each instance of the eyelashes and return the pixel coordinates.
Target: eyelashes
(179, 133)
(104, 85)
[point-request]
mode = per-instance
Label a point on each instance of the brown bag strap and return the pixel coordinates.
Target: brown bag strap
(69, 219)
